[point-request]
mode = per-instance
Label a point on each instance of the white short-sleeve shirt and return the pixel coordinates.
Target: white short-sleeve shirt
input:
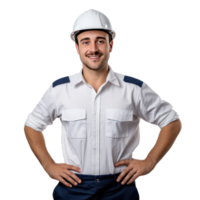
(100, 129)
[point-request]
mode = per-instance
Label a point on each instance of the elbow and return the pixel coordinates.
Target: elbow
(176, 126)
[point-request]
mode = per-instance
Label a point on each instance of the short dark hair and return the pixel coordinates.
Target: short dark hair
(76, 40)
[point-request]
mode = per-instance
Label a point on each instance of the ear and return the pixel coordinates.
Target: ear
(76, 49)
(111, 46)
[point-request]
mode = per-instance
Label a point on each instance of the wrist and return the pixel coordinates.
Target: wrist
(152, 161)
(46, 165)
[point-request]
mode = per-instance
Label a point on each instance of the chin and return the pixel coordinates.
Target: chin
(93, 67)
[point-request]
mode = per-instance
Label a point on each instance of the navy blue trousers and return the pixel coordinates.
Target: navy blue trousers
(97, 187)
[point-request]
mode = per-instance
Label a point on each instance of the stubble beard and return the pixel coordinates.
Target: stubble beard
(101, 64)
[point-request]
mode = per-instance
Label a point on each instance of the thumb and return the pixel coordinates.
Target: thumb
(122, 162)
(117, 163)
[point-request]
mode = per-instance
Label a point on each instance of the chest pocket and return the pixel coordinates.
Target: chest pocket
(117, 122)
(74, 120)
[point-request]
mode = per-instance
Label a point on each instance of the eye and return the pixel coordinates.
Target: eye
(100, 41)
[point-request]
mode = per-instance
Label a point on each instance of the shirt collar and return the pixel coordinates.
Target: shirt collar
(111, 77)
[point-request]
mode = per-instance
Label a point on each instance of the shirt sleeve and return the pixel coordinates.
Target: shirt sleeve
(151, 108)
(44, 113)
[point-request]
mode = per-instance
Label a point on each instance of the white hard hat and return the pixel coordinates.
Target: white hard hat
(92, 19)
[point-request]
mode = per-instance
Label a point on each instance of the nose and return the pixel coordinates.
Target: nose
(93, 47)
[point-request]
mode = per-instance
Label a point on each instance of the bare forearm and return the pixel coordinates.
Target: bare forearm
(164, 142)
(37, 145)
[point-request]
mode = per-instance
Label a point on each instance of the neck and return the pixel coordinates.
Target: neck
(95, 78)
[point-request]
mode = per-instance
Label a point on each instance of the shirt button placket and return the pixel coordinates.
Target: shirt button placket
(94, 134)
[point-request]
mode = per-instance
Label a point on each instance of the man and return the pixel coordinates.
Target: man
(100, 111)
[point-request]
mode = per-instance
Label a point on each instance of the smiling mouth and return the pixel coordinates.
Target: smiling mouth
(94, 57)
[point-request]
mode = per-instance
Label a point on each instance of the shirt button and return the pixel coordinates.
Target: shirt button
(97, 180)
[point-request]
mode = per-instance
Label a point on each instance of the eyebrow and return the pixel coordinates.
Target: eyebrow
(87, 38)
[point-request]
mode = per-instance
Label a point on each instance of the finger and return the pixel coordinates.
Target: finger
(123, 173)
(71, 174)
(127, 177)
(134, 177)
(64, 182)
(75, 168)
(69, 179)
(119, 163)
(72, 178)
(76, 178)
(122, 162)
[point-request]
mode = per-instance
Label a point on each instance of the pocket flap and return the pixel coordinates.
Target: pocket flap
(73, 114)
(119, 114)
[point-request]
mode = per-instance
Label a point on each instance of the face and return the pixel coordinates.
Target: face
(94, 49)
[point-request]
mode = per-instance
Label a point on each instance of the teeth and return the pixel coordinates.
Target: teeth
(93, 56)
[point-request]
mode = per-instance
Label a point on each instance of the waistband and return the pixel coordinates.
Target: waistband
(100, 179)
(108, 177)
